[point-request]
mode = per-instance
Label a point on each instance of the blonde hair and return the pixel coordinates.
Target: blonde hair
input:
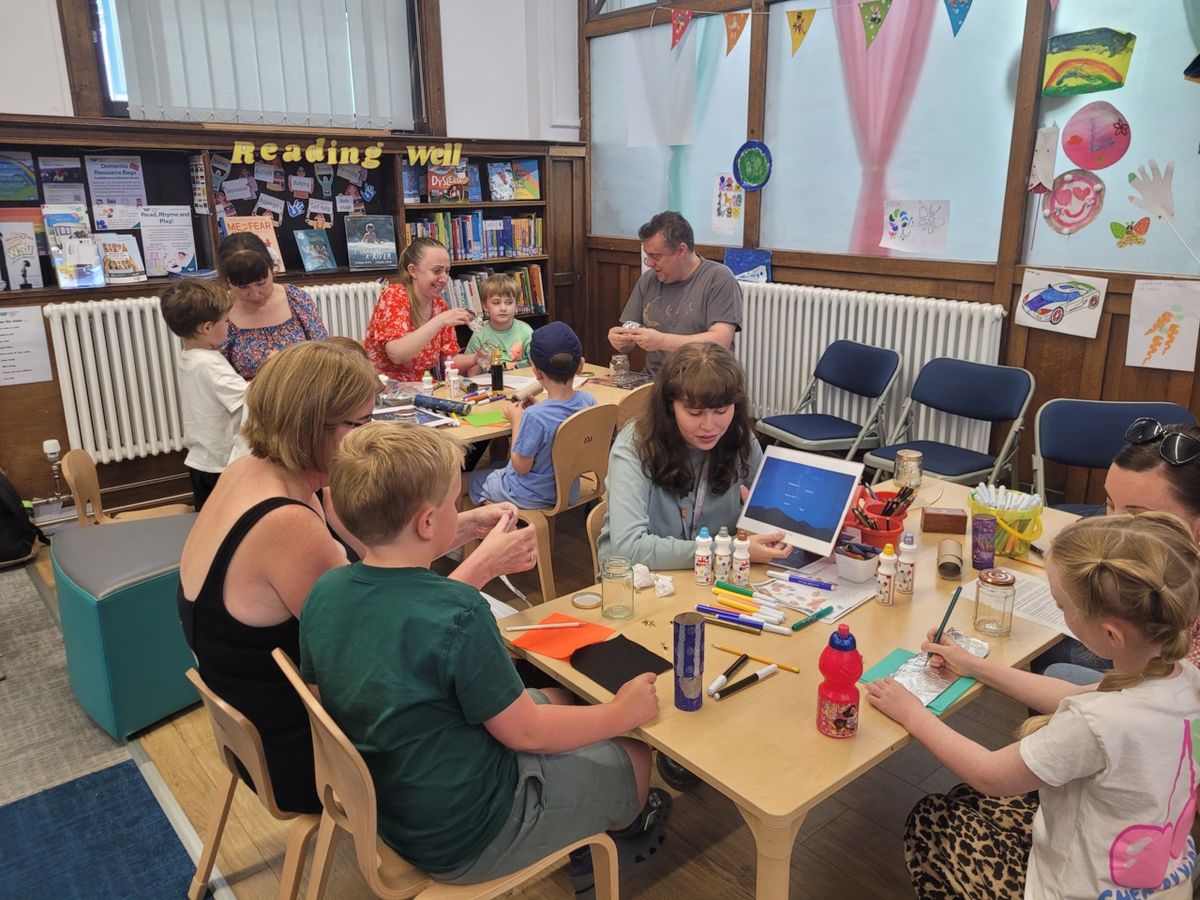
(499, 285)
(298, 395)
(412, 256)
(348, 344)
(190, 303)
(384, 473)
(1143, 570)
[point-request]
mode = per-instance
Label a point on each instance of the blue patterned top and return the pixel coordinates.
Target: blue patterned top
(248, 348)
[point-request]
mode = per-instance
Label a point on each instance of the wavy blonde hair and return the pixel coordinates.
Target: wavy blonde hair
(1143, 570)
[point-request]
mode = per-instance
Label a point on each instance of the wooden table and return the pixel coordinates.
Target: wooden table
(761, 747)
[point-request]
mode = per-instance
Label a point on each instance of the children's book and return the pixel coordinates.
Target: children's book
(410, 177)
(168, 240)
(526, 181)
(72, 246)
(25, 214)
(264, 227)
(448, 184)
(19, 240)
(474, 189)
(749, 265)
(315, 250)
(500, 181)
(122, 259)
(371, 242)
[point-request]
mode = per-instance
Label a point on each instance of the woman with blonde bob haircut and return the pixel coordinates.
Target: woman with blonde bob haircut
(1111, 764)
(268, 532)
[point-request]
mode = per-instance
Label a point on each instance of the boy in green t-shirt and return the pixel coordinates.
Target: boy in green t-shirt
(502, 329)
(412, 667)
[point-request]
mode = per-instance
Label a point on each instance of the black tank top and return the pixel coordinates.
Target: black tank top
(234, 659)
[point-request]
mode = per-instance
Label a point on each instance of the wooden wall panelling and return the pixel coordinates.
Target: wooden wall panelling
(433, 78)
(756, 113)
(566, 276)
(83, 67)
(645, 16)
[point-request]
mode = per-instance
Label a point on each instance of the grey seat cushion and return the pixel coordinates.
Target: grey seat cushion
(104, 559)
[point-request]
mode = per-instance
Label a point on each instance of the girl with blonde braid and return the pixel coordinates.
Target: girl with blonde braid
(1112, 764)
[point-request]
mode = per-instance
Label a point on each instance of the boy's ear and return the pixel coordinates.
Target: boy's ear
(423, 522)
(579, 368)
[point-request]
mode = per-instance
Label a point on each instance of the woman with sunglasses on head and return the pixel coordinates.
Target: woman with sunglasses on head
(1158, 469)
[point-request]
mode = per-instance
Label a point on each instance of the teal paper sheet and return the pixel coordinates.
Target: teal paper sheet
(894, 660)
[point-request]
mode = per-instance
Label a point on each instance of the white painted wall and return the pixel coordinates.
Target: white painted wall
(33, 67)
(511, 69)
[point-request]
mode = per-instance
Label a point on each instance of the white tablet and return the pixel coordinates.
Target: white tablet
(803, 495)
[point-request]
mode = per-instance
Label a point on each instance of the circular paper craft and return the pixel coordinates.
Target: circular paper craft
(1074, 200)
(1096, 137)
(752, 165)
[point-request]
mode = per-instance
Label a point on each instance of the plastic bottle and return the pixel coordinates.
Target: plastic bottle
(704, 557)
(885, 577)
(453, 380)
(837, 696)
(427, 383)
(740, 573)
(722, 554)
(906, 567)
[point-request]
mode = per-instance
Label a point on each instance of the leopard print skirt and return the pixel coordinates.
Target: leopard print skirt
(966, 845)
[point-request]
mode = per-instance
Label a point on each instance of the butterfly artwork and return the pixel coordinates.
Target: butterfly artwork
(1131, 234)
(930, 218)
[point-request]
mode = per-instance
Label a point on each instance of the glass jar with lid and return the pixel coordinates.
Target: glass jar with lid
(995, 597)
(910, 466)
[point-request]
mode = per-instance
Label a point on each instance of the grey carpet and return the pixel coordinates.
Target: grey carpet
(45, 738)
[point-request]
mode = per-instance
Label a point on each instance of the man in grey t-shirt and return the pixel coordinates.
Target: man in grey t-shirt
(681, 299)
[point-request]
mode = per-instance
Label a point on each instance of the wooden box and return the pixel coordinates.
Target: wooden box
(943, 520)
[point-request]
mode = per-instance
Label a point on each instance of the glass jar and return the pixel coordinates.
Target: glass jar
(616, 588)
(910, 466)
(995, 597)
(619, 364)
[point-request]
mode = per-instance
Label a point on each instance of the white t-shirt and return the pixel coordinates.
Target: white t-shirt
(1122, 769)
(212, 396)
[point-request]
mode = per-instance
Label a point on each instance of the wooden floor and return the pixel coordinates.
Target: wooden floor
(850, 845)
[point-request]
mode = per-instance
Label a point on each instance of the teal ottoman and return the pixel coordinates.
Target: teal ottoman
(116, 589)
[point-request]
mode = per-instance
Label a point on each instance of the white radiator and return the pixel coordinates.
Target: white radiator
(786, 328)
(116, 367)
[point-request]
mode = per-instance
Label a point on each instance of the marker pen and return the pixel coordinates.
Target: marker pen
(740, 619)
(800, 579)
(721, 680)
(747, 681)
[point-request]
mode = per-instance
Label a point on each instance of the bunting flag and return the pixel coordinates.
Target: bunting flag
(958, 10)
(735, 24)
(799, 21)
(873, 13)
(1053, 5)
(679, 23)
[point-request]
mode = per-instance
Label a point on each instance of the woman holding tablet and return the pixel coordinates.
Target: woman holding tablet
(684, 464)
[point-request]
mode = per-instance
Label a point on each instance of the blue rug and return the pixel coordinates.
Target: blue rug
(102, 835)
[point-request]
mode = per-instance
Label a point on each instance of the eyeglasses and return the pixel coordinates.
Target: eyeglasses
(351, 423)
(1175, 447)
(659, 257)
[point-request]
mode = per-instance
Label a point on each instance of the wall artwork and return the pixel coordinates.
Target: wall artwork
(1062, 302)
(1041, 170)
(873, 13)
(1075, 199)
(1084, 62)
(1097, 136)
(1130, 234)
(799, 21)
(728, 204)
(915, 226)
(1164, 321)
(957, 10)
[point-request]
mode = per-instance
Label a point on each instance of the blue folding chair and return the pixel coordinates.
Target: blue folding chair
(973, 391)
(852, 367)
(1090, 433)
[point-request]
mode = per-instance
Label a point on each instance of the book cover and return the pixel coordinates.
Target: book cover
(749, 265)
(410, 177)
(474, 188)
(168, 240)
(371, 242)
(72, 246)
(19, 241)
(26, 214)
(500, 181)
(315, 250)
(122, 259)
(448, 184)
(264, 227)
(526, 180)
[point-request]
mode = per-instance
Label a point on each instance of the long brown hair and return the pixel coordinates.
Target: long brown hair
(412, 255)
(702, 376)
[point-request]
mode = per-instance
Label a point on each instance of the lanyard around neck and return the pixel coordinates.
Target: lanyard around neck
(689, 530)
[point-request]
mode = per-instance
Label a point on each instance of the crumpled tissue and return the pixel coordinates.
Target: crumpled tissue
(664, 585)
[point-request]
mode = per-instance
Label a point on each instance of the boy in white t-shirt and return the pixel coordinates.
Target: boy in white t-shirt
(211, 393)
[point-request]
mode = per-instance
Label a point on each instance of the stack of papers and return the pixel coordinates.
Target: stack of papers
(1035, 604)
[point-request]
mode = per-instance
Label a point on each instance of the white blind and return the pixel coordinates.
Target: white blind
(343, 63)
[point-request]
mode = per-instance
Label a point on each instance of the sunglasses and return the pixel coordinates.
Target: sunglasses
(1175, 447)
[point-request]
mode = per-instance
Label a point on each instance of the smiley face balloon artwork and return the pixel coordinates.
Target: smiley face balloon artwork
(1075, 200)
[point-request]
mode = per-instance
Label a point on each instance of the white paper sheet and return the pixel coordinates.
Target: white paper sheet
(1062, 302)
(1163, 320)
(1034, 604)
(915, 226)
(118, 191)
(24, 356)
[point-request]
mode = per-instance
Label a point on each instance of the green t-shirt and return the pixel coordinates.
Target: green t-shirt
(410, 664)
(518, 333)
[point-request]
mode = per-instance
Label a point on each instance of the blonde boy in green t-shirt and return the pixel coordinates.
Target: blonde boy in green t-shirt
(502, 329)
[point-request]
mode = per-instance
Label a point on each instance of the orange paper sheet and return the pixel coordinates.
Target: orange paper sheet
(560, 643)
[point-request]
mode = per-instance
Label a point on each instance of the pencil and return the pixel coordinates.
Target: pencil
(946, 618)
(763, 660)
(543, 626)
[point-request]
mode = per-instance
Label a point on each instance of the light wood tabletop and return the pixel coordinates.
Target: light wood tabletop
(760, 747)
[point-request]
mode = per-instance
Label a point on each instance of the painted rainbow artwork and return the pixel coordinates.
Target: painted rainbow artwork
(1084, 62)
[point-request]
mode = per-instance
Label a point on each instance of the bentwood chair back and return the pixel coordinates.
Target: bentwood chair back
(80, 472)
(347, 794)
(238, 741)
(595, 523)
(633, 405)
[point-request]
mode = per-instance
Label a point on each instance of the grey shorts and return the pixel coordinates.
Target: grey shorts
(559, 799)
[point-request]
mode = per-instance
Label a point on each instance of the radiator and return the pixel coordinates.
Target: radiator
(786, 328)
(116, 367)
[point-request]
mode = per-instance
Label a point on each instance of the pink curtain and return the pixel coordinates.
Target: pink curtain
(880, 82)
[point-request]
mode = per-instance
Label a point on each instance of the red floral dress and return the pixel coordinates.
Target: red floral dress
(390, 321)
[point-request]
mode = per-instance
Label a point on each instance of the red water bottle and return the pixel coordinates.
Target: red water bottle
(837, 695)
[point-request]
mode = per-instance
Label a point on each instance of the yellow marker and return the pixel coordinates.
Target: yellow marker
(763, 660)
(734, 603)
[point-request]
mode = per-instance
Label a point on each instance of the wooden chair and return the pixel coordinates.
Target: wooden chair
(633, 405)
(347, 792)
(80, 472)
(238, 741)
(595, 522)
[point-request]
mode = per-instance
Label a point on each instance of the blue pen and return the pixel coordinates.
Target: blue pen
(800, 579)
(726, 616)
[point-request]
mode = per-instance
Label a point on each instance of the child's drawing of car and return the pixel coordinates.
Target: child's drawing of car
(1054, 301)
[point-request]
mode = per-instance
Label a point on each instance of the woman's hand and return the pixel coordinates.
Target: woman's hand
(949, 654)
(766, 547)
(452, 317)
(894, 700)
(505, 548)
(474, 524)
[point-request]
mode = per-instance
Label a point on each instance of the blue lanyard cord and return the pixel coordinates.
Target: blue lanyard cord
(689, 533)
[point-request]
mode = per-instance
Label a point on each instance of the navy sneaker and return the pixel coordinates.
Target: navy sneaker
(640, 840)
(582, 877)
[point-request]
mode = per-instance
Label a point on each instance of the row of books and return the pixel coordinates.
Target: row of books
(518, 179)
(464, 289)
(471, 236)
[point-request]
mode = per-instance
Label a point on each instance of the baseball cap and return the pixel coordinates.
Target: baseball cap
(551, 340)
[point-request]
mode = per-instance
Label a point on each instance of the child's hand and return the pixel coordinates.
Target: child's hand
(638, 698)
(894, 700)
(949, 654)
(512, 411)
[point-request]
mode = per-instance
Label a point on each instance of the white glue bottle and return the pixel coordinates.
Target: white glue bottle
(427, 383)
(885, 577)
(740, 573)
(704, 557)
(907, 566)
(722, 554)
(453, 380)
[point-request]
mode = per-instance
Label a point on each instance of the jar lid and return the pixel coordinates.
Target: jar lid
(998, 577)
(915, 455)
(586, 600)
